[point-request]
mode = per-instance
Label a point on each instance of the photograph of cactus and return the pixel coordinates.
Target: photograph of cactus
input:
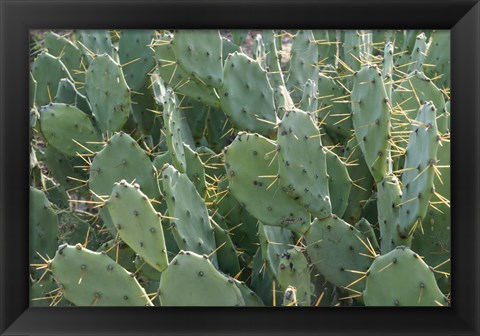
(239, 168)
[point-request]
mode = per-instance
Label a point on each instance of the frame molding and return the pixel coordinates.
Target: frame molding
(18, 16)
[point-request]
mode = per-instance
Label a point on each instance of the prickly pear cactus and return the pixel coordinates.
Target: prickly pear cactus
(138, 224)
(240, 168)
(401, 278)
(89, 278)
(192, 280)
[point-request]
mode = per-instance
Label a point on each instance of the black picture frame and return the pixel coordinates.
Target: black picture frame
(18, 16)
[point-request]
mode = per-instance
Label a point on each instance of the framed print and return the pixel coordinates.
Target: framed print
(249, 168)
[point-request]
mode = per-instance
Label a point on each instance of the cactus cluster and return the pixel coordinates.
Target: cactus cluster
(240, 168)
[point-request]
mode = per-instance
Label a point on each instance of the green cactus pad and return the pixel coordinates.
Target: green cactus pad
(351, 50)
(43, 293)
(226, 254)
(302, 163)
(283, 101)
(237, 218)
(249, 296)
(32, 92)
(108, 93)
(405, 41)
(95, 42)
(120, 252)
(122, 159)
(228, 47)
(259, 51)
(338, 251)
(401, 278)
(89, 278)
(144, 109)
(293, 271)
(195, 170)
(62, 168)
(333, 112)
(192, 280)
(388, 68)
(137, 223)
(73, 229)
(68, 94)
(56, 193)
(173, 131)
(188, 214)
(369, 209)
(367, 230)
(272, 59)
(199, 53)
(247, 159)
(309, 102)
(145, 271)
(217, 124)
(434, 242)
(419, 170)
(136, 56)
(47, 70)
(275, 73)
(366, 46)
(273, 242)
(327, 49)
(64, 126)
(161, 159)
(303, 63)
(43, 223)
(339, 183)
(389, 196)
(439, 55)
(68, 53)
(196, 114)
(244, 77)
(411, 94)
(371, 120)
(362, 181)
(419, 53)
(262, 281)
(177, 78)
